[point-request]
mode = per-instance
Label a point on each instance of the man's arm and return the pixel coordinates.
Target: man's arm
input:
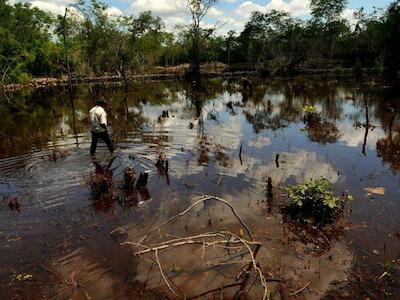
(103, 120)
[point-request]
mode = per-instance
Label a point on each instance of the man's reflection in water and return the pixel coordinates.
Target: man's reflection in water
(163, 168)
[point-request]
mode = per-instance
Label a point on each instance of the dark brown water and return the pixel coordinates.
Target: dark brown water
(59, 235)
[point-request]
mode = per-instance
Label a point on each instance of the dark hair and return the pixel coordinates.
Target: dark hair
(101, 101)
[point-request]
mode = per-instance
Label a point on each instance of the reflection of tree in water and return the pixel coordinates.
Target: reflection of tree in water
(28, 120)
(331, 104)
(199, 94)
(389, 148)
(323, 132)
(262, 120)
(264, 116)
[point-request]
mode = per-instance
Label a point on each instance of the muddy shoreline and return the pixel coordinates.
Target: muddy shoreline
(179, 73)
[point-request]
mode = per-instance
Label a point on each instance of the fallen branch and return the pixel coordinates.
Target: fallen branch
(193, 240)
(202, 200)
(221, 239)
(257, 269)
(163, 275)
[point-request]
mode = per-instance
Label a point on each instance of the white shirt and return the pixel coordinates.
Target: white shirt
(98, 117)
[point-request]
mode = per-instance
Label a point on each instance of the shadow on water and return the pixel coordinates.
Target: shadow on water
(230, 138)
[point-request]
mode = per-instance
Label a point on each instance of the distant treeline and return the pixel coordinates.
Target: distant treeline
(34, 43)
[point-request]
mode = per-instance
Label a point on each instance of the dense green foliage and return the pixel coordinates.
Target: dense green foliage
(315, 199)
(32, 41)
(26, 48)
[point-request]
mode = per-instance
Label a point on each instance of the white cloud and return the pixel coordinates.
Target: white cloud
(114, 12)
(56, 7)
(348, 14)
(49, 7)
(294, 7)
(172, 12)
(230, 24)
(246, 8)
(353, 137)
(215, 13)
(160, 7)
(260, 142)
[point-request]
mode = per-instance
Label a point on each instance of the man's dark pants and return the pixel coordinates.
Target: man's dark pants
(102, 136)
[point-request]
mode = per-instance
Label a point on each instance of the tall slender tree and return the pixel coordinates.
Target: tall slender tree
(198, 10)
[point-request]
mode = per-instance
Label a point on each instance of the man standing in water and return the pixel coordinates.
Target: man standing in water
(98, 119)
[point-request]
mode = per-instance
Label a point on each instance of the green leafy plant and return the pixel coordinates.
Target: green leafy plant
(312, 114)
(315, 201)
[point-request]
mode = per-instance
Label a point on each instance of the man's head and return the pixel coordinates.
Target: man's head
(101, 102)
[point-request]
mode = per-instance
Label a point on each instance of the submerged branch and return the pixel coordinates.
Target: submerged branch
(202, 200)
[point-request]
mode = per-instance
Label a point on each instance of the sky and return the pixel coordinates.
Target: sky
(233, 14)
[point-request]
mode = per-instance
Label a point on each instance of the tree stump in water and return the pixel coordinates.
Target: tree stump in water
(277, 160)
(101, 186)
(13, 203)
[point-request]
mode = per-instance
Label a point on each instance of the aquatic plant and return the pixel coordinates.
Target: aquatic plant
(311, 114)
(310, 109)
(315, 201)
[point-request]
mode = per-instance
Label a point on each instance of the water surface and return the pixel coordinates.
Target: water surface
(219, 140)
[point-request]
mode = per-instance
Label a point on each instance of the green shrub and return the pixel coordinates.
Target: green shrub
(24, 77)
(315, 201)
(20, 76)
